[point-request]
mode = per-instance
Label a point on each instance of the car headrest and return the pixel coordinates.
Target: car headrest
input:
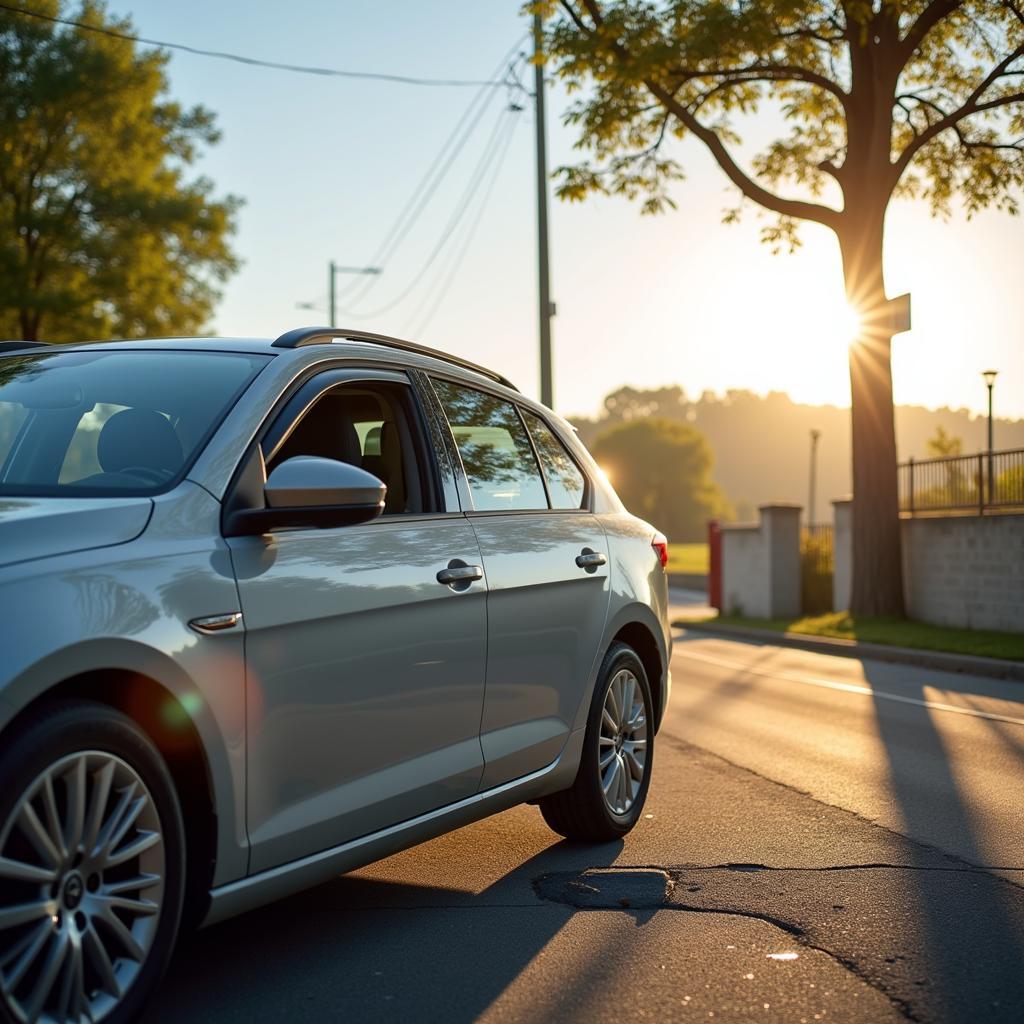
(138, 437)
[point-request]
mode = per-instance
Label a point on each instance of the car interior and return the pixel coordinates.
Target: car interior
(365, 426)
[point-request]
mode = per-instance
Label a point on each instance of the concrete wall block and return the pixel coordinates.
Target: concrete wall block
(842, 577)
(965, 571)
(761, 565)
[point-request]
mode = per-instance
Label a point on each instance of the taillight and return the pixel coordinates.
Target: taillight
(660, 545)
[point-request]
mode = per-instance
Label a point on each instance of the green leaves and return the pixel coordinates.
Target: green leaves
(920, 98)
(101, 232)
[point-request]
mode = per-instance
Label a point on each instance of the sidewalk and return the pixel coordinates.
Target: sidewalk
(993, 668)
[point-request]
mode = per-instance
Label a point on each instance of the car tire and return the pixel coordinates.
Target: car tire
(92, 841)
(606, 799)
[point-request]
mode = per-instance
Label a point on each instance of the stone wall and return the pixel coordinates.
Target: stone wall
(965, 571)
(761, 564)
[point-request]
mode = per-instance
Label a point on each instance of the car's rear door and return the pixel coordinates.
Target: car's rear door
(365, 674)
(545, 556)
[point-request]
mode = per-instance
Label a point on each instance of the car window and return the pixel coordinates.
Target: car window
(566, 484)
(103, 422)
(369, 425)
(82, 457)
(12, 418)
(496, 452)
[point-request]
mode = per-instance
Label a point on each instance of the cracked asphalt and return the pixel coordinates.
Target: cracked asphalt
(825, 840)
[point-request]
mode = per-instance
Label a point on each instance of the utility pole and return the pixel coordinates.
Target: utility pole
(812, 496)
(544, 281)
(333, 270)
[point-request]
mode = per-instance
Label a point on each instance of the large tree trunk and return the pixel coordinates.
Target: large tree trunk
(877, 563)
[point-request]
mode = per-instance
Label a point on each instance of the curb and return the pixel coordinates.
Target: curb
(993, 668)
(688, 580)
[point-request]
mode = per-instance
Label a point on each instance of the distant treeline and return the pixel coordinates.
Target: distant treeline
(761, 444)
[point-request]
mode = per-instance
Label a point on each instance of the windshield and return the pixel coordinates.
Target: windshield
(125, 423)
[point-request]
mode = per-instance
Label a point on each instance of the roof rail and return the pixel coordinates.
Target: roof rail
(325, 335)
(12, 346)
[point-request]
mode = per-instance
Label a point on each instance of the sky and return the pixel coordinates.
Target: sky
(325, 165)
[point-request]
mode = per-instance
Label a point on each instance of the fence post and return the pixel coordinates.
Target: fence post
(981, 484)
(715, 564)
(910, 482)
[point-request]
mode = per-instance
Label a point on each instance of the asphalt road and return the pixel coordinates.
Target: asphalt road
(825, 839)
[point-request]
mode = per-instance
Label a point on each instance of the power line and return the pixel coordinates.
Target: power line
(302, 69)
(428, 184)
(470, 234)
(453, 221)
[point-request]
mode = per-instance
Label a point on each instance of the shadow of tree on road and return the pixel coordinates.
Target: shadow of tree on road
(971, 939)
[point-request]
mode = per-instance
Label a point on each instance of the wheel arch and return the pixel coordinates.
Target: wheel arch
(638, 628)
(165, 709)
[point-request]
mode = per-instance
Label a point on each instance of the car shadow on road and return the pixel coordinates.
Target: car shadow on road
(969, 926)
(362, 948)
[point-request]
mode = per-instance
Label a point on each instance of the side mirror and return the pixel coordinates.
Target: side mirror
(307, 491)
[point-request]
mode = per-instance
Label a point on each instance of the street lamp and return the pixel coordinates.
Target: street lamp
(989, 377)
(815, 436)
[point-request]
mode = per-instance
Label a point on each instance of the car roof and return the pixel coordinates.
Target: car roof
(301, 338)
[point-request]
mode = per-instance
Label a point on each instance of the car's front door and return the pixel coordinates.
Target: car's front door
(545, 555)
(365, 673)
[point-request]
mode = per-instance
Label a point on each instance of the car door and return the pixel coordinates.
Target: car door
(365, 674)
(545, 556)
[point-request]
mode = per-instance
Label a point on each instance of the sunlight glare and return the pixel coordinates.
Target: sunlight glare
(849, 324)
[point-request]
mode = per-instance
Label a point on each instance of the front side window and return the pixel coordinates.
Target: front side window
(496, 452)
(107, 422)
(566, 484)
(371, 425)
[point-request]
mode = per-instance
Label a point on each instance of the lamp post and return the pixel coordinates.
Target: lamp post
(989, 377)
(815, 436)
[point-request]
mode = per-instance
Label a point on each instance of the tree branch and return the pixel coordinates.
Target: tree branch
(748, 186)
(795, 208)
(927, 20)
(969, 108)
(770, 72)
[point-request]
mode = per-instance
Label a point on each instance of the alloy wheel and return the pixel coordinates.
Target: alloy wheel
(622, 744)
(82, 869)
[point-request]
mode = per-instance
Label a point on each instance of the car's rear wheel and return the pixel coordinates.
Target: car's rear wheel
(91, 867)
(608, 795)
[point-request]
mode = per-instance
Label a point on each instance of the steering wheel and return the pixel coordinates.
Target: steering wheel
(149, 474)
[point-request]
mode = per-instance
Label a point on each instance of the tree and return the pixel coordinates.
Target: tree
(943, 444)
(916, 98)
(101, 235)
(662, 472)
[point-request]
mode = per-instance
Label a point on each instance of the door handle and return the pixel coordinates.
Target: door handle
(590, 560)
(459, 572)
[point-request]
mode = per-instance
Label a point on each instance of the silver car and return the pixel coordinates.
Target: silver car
(272, 610)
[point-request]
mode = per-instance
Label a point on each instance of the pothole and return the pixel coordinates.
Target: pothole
(607, 888)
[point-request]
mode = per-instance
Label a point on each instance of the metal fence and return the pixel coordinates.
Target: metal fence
(817, 564)
(977, 483)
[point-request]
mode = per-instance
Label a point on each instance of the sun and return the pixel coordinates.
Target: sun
(847, 324)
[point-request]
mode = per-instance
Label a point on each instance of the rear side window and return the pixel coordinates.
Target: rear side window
(566, 484)
(496, 452)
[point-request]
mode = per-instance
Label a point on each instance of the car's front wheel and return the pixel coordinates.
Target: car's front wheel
(606, 799)
(91, 867)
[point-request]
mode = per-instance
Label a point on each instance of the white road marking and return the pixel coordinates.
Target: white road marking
(830, 684)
